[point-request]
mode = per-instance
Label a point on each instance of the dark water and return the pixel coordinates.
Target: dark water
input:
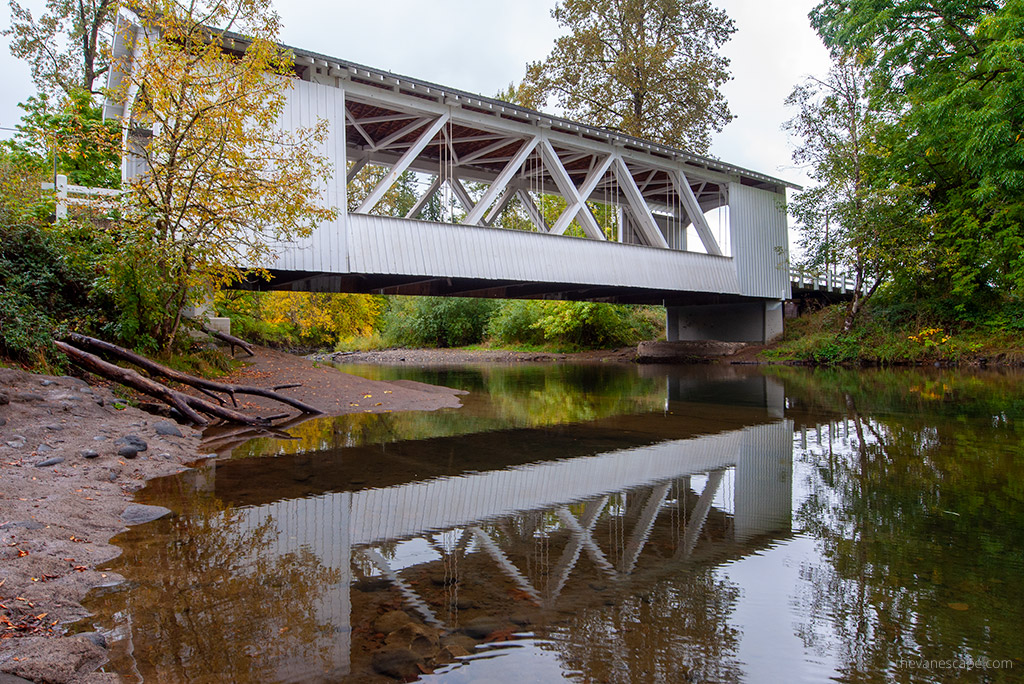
(598, 524)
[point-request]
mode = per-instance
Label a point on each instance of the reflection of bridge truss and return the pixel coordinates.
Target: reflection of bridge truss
(617, 564)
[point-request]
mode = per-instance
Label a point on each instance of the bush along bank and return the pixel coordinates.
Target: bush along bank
(886, 338)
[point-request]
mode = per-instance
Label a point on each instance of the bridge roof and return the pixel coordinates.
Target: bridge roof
(388, 80)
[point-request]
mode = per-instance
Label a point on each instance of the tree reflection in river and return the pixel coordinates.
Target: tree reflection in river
(213, 598)
(920, 517)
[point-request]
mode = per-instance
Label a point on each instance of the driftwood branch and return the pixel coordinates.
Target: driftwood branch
(203, 385)
(189, 406)
(230, 339)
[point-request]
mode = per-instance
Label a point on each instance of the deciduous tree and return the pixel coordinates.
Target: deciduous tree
(648, 68)
(65, 46)
(220, 181)
(855, 219)
(948, 76)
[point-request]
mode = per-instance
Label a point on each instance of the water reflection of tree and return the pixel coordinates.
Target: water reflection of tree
(677, 631)
(530, 396)
(921, 522)
(209, 598)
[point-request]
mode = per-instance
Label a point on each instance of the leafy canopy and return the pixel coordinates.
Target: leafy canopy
(647, 68)
(65, 46)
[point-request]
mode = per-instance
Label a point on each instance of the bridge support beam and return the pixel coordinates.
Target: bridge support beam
(754, 321)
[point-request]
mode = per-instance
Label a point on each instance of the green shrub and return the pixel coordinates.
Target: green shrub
(46, 287)
(436, 321)
(574, 325)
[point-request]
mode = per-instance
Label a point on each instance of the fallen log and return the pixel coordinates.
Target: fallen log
(230, 339)
(203, 385)
(189, 406)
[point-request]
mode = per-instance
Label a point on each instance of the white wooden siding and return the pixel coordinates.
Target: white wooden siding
(385, 245)
(759, 241)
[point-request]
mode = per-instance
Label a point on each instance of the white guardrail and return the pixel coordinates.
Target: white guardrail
(68, 194)
(827, 282)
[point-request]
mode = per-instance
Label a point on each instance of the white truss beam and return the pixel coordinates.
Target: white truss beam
(359, 128)
(575, 204)
(697, 218)
(484, 151)
(498, 186)
(403, 163)
(500, 206)
(532, 212)
(400, 133)
(585, 191)
(424, 198)
(357, 166)
(404, 587)
(460, 193)
(640, 213)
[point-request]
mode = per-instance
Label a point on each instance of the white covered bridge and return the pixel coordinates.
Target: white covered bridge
(527, 205)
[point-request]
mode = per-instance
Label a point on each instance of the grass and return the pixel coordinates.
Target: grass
(816, 338)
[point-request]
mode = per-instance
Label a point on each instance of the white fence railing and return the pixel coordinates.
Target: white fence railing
(842, 283)
(67, 194)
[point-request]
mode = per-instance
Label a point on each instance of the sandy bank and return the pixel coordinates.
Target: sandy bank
(70, 461)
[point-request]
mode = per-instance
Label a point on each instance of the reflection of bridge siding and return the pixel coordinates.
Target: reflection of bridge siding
(760, 454)
(334, 526)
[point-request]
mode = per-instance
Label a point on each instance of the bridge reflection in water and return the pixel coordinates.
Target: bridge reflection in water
(521, 549)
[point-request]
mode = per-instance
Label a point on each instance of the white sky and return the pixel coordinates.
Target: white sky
(481, 47)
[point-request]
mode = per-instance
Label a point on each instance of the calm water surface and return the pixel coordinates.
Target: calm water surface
(597, 524)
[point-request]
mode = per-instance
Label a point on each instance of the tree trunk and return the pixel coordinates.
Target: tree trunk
(189, 406)
(202, 384)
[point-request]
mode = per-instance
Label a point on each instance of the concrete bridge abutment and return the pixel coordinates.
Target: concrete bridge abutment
(757, 321)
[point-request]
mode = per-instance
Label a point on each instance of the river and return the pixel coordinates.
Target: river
(599, 523)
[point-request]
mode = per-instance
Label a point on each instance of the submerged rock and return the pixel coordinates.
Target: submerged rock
(400, 663)
(392, 620)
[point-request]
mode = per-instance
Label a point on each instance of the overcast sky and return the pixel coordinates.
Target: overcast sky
(482, 46)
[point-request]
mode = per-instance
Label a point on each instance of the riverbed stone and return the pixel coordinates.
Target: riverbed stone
(421, 640)
(43, 449)
(392, 620)
(133, 441)
(27, 397)
(137, 514)
(167, 428)
(482, 627)
(50, 462)
(400, 663)
(90, 453)
(128, 451)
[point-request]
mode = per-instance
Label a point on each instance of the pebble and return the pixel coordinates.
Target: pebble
(133, 441)
(90, 453)
(50, 462)
(167, 428)
(25, 524)
(3, 421)
(99, 438)
(43, 448)
(4, 399)
(137, 514)
(28, 396)
(47, 383)
(17, 442)
(128, 451)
